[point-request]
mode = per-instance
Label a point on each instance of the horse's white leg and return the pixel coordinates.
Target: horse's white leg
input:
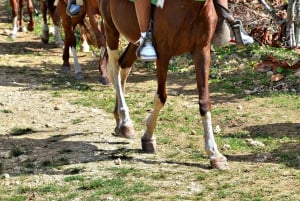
(84, 47)
(58, 41)
(77, 69)
(14, 31)
(148, 139)
(45, 33)
(217, 160)
(118, 78)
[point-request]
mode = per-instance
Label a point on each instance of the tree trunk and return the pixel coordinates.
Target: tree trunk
(293, 24)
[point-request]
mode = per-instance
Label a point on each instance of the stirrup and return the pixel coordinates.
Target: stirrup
(146, 51)
(72, 8)
(241, 36)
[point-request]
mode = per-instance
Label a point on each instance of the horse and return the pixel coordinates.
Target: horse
(47, 7)
(17, 12)
(181, 27)
(94, 36)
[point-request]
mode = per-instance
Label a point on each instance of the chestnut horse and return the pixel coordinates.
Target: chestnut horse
(94, 36)
(47, 7)
(18, 16)
(180, 27)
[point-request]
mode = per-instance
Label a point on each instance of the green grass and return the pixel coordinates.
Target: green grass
(17, 131)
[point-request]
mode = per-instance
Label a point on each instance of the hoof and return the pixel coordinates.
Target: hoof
(103, 80)
(219, 163)
(30, 27)
(13, 36)
(149, 146)
(79, 76)
(125, 132)
(45, 37)
(66, 69)
(23, 29)
(45, 40)
(59, 44)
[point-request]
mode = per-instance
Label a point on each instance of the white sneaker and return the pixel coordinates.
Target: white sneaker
(146, 51)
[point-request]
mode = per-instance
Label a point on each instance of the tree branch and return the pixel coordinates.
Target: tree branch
(272, 12)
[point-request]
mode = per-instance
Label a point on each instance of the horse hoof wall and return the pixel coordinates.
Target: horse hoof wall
(79, 76)
(125, 132)
(103, 80)
(66, 69)
(219, 163)
(149, 146)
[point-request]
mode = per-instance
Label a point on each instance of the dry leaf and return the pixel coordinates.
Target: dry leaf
(276, 77)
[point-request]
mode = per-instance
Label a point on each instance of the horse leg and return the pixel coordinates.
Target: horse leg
(45, 33)
(202, 62)
(21, 16)
(148, 140)
(30, 9)
(14, 7)
(54, 14)
(84, 46)
(70, 42)
(118, 76)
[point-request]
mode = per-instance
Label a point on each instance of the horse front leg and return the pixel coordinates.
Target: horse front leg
(56, 22)
(202, 64)
(45, 32)
(118, 76)
(148, 140)
(30, 9)
(14, 8)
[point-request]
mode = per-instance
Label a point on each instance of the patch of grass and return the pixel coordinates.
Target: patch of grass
(51, 188)
(17, 198)
(77, 121)
(74, 178)
(17, 131)
(116, 187)
(6, 111)
(124, 171)
(16, 151)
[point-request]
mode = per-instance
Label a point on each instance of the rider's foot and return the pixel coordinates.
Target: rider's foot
(146, 51)
(72, 9)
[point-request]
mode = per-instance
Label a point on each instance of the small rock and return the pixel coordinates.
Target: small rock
(118, 161)
(5, 176)
(217, 129)
(270, 73)
(297, 73)
(226, 147)
(193, 132)
(255, 143)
